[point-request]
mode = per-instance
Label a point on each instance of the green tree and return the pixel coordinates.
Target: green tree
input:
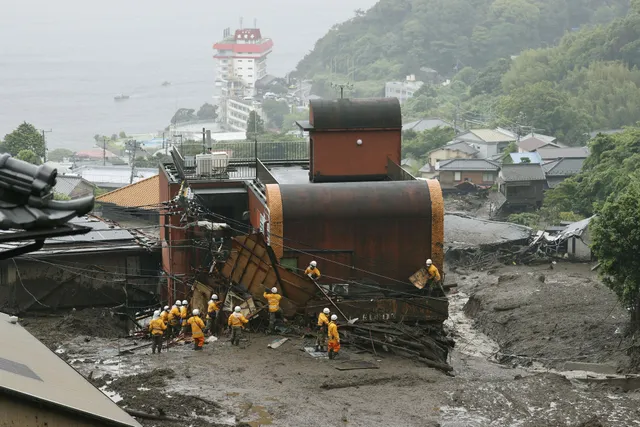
(24, 137)
(60, 196)
(183, 115)
(275, 112)
(506, 158)
(29, 156)
(616, 239)
(207, 112)
(122, 135)
(59, 154)
(255, 125)
(418, 144)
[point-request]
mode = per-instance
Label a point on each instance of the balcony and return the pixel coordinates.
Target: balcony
(242, 159)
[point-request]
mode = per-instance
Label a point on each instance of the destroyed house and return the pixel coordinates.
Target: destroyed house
(107, 266)
(37, 388)
(341, 199)
(522, 185)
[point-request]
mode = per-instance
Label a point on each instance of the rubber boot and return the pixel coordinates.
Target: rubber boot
(331, 355)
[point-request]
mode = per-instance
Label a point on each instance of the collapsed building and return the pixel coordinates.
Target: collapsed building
(258, 219)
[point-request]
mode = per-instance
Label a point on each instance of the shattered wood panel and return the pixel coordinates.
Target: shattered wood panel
(250, 267)
(419, 278)
(200, 297)
(431, 310)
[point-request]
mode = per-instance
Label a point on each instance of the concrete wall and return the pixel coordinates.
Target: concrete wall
(79, 280)
(439, 155)
(578, 247)
(22, 413)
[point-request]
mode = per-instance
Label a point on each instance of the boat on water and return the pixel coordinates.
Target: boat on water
(121, 97)
(166, 83)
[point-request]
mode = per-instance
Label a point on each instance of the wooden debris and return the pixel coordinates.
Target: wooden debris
(353, 365)
(277, 343)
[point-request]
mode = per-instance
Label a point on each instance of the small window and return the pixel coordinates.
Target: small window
(457, 176)
(487, 177)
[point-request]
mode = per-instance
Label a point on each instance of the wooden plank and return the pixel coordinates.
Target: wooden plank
(277, 343)
(352, 366)
(419, 278)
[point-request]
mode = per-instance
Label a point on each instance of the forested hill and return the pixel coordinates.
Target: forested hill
(397, 37)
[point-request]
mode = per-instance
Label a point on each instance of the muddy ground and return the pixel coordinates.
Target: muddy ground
(568, 316)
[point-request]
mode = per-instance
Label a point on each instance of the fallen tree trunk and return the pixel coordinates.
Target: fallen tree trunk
(148, 416)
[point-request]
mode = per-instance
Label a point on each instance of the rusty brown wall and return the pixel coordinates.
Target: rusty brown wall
(257, 206)
(174, 257)
(336, 154)
(386, 228)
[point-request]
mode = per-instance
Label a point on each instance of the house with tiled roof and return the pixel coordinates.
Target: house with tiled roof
(533, 143)
(522, 185)
(477, 171)
(551, 153)
(73, 187)
(140, 200)
(488, 142)
(558, 170)
(452, 150)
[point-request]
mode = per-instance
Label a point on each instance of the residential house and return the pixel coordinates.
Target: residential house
(426, 124)
(558, 170)
(490, 143)
(548, 154)
(453, 150)
(402, 90)
(38, 388)
(522, 185)
(526, 157)
(134, 203)
(94, 154)
(112, 177)
(578, 239)
(477, 171)
(73, 187)
(533, 143)
(107, 266)
(409, 164)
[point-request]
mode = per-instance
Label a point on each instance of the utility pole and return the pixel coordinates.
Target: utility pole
(519, 123)
(133, 146)
(204, 148)
(44, 142)
(104, 151)
(455, 118)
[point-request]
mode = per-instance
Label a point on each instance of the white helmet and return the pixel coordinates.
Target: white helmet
(178, 303)
(334, 317)
(166, 308)
(237, 309)
(185, 302)
(214, 297)
(196, 312)
(326, 311)
(429, 262)
(156, 314)
(274, 290)
(313, 263)
(174, 306)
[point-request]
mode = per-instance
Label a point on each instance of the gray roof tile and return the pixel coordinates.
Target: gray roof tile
(563, 167)
(522, 172)
(468, 165)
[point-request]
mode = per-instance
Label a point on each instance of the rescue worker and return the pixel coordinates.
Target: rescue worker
(183, 315)
(237, 322)
(164, 314)
(212, 313)
(174, 319)
(334, 338)
(433, 276)
(156, 327)
(312, 271)
(274, 307)
(197, 325)
(323, 322)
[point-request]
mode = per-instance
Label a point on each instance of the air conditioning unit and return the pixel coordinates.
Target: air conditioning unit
(204, 164)
(189, 161)
(220, 161)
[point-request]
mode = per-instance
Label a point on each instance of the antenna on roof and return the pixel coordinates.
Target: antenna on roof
(342, 87)
(255, 23)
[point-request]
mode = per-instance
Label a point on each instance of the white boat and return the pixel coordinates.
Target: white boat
(121, 97)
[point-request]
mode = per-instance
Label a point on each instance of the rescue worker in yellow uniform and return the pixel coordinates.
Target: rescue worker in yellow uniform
(334, 337)
(274, 307)
(323, 323)
(433, 276)
(212, 313)
(237, 322)
(312, 271)
(164, 314)
(184, 314)
(156, 327)
(197, 326)
(174, 319)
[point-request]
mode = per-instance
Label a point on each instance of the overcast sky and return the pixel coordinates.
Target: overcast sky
(124, 29)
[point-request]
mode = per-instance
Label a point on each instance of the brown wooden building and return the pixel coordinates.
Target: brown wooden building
(478, 171)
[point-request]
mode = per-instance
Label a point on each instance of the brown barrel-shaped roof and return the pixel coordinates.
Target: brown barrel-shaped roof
(367, 113)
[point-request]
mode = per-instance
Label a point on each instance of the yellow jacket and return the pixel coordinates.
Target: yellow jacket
(164, 316)
(433, 272)
(322, 319)
(174, 314)
(274, 301)
(237, 319)
(333, 332)
(197, 325)
(157, 326)
(183, 312)
(313, 271)
(211, 307)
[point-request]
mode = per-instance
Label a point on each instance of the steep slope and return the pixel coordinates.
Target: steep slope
(397, 37)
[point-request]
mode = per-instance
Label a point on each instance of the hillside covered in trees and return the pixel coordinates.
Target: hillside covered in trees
(583, 80)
